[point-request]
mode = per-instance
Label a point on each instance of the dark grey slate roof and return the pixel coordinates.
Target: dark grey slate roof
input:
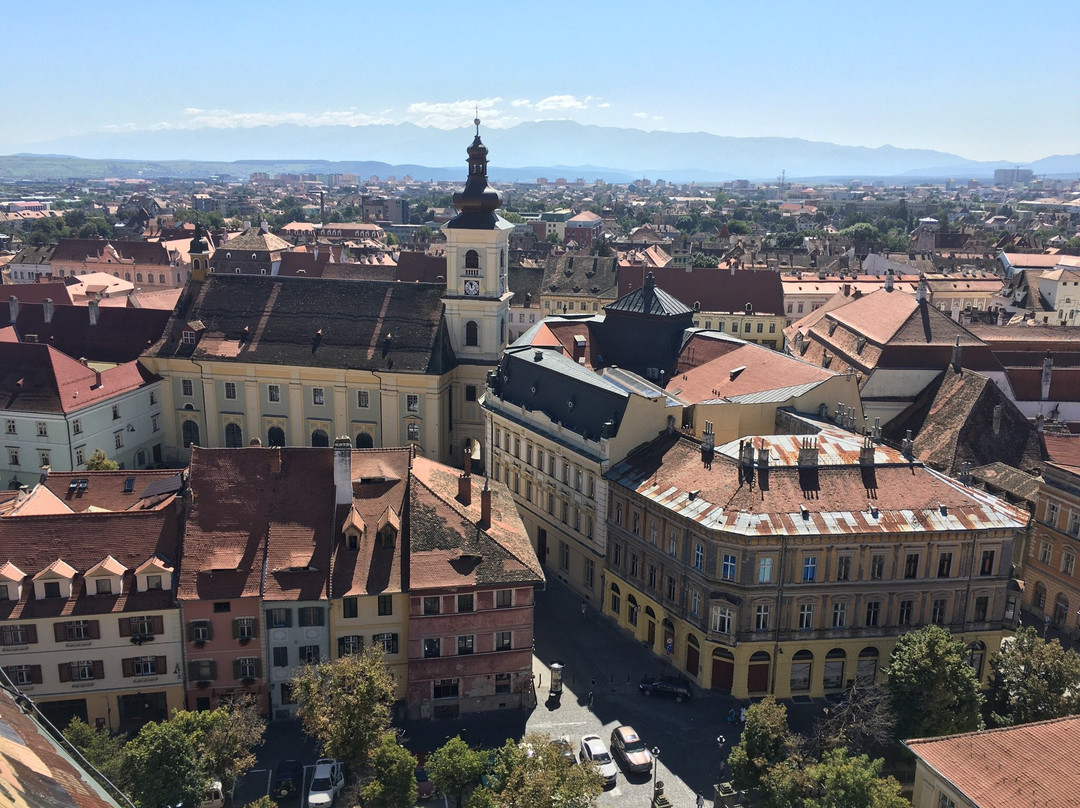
(316, 322)
(525, 281)
(580, 274)
(563, 390)
(650, 299)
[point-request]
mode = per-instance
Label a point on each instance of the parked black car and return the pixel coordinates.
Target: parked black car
(666, 686)
(288, 778)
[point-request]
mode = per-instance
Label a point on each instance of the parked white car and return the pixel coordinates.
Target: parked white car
(592, 748)
(326, 783)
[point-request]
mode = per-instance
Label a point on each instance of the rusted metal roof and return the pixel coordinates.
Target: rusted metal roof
(837, 496)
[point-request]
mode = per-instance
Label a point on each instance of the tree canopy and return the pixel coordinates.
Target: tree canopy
(393, 776)
(99, 461)
(163, 768)
(765, 741)
(853, 782)
(535, 772)
(453, 767)
(934, 689)
(1033, 680)
(345, 704)
(224, 738)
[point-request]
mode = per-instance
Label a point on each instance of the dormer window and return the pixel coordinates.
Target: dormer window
(352, 541)
(102, 586)
(188, 338)
(105, 578)
(55, 580)
(152, 574)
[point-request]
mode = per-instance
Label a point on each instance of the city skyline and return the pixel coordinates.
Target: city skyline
(936, 77)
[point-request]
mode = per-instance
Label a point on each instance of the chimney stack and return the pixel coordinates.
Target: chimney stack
(464, 483)
(343, 471)
(956, 355)
(808, 453)
(93, 307)
(13, 308)
(485, 505)
(1047, 375)
(47, 309)
(998, 409)
(889, 281)
(866, 452)
(907, 446)
(708, 445)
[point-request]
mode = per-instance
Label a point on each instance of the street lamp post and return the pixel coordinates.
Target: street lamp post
(656, 765)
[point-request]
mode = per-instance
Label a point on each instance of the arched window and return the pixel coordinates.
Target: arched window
(472, 260)
(138, 277)
(190, 431)
(161, 278)
(275, 436)
(1061, 610)
(127, 276)
(234, 436)
(802, 664)
(320, 438)
(834, 669)
(472, 333)
(364, 440)
(866, 668)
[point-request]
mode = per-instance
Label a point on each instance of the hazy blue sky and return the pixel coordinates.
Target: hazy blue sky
(986, 80)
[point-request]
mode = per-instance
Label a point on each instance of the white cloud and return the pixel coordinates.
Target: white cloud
(453, 114)
(648, 116)
(556, 102)
(521, 102)
(196, 118)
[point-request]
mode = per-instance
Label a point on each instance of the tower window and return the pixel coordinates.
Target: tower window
(472, 333)
(472, 260)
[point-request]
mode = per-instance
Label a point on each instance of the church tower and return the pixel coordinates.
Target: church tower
(477, 255)
(199, 253)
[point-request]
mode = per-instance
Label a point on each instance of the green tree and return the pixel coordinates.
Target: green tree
(453, 767)
(345, 704)
(99, 461)
(765, 740)
(535, 772)
(103, 751)
(553, 238)
(862, 233)
(1033, 680)
(263, 802)
(702, 260)
(511, 216)
(224, 738)
(787, 783)
(393, 776)
(738, 227)
(163, 768)
(75, 218)
(934, 689)
(853, 782)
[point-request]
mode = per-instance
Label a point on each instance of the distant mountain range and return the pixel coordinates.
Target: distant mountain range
(520, 153)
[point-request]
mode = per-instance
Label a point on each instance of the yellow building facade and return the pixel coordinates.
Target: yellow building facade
(746, 588)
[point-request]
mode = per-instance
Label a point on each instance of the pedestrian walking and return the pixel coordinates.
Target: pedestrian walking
(742, 716)
(590, 699)
(582, 608)
(700, 801)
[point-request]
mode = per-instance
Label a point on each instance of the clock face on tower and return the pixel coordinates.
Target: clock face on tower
(472, 288)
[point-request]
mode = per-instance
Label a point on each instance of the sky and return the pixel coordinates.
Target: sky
(986, 80)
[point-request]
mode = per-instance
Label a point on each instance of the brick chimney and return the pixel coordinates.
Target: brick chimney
(485, 505)
(93, 308)
(342, 471)
(464, 482)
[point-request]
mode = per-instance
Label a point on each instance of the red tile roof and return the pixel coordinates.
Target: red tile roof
(39, 378)
(1031, 764)
(105, 489)
(716, 290)
(380, 481)
(448, 546)
(255, 514)
(755, 369)
(83, 540)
